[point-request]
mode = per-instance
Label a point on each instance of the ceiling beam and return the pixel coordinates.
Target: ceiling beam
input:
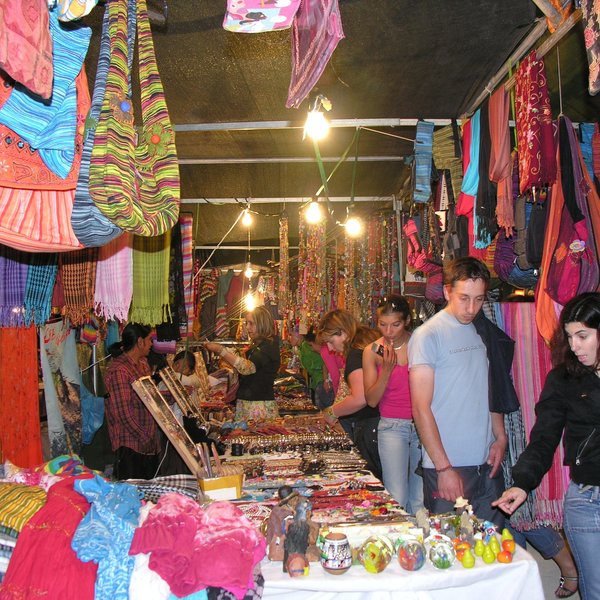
(282, 200)
(252, 125)
(286, 159)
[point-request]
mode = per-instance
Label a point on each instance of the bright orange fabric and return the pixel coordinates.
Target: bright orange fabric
(20, 438)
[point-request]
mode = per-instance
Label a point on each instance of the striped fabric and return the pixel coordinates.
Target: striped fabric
(531, 364)
(135, 186)
(50, 126)
(18, 503)
(423, 155)
(38, 290)
(187, 250)
(444, 155)
(91, 227)
(150, 301)
(13, 280)
(114, 279)
(79, 280)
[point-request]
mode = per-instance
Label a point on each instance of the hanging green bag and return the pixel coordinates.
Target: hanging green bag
(134, 175)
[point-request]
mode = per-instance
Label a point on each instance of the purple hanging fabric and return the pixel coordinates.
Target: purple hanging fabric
(316, 31)
(591, 36)
(13, 280)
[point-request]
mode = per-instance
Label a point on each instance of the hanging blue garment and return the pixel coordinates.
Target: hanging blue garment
(470, 181)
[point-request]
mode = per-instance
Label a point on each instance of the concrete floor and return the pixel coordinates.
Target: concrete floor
(550, 575)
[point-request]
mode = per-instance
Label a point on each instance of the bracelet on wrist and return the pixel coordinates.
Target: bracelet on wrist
(446, 468)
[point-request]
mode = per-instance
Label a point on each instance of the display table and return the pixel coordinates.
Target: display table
(519, 579)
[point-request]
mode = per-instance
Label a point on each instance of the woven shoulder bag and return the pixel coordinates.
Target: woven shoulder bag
(134, 176)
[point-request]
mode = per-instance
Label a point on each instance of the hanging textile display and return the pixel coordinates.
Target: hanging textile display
(150, 300)
(13, 282)
(91, 227)
(311, 271)
(535, 143)
(138, 188)
(41, 277)
(422, 164)
(500, 167)
(36, 204)
(283, 289)
(19, 396)
(187, 253)
(78, 275)
(350, 295)
(447, 154)
(573, 268)
(62, 380)
(114, 279)
(176, 284)
(316, 32)
(532, 362)
(26, 26)
(256, 16)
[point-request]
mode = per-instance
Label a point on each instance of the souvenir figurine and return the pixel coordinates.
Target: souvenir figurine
(296, 539)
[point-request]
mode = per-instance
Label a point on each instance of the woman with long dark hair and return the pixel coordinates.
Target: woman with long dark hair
(255, 397)
(132, 430)
(569, 408)
(343, 334)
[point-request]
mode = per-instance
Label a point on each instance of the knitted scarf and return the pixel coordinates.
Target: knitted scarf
(41, 277)
(150, 301)
(13, 279)
(79, 279)
(114, 279)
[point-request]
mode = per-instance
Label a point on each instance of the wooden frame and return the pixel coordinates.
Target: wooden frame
(156, 403)
(179, 393)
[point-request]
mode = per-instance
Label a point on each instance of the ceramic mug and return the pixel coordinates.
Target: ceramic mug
(336, 555)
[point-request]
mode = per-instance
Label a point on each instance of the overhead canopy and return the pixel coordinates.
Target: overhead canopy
(400, 59)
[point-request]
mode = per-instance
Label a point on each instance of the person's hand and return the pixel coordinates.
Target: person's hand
(510, 500)
(389, 359)
(328, 415)
(496, 455)
(213, 347)
(450, 485)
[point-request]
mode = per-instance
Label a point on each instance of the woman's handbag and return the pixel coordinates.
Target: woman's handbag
(134, 176)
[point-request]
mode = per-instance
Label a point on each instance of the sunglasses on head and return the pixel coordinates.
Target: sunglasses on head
(394, 304)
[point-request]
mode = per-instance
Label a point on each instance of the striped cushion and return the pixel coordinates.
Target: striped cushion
(18, 503)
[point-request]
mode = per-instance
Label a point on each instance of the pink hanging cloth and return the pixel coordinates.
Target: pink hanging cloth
(316, 31)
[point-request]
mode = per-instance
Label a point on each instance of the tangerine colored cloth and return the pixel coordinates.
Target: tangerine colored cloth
(20, 440)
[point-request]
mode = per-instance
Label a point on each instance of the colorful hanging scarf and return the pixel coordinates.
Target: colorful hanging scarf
(150, 301)
(422, 164)
(176, 289)
(19, 396)
(187, 254)
(114, 279)
(79, 279)
(13, 280)
(531, 364)
(591, 36)
(586, 134)
(471, 176)
(50, 126)
(537, 166)
(316, 32)
(500, 170)
(38, 291)
(484, 212)
(284, 268)
(445, 155)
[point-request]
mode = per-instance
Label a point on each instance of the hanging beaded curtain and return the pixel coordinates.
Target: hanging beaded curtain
(19, 410)
(284, 268)
(311, 272)
(350, 296)
(363, 280)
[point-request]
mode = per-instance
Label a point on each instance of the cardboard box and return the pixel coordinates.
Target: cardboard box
(228, 487)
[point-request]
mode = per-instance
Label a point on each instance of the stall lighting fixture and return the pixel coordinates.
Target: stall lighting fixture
(247, 218)
(317, 126)
(248, 272)
(250, 301)
(313, 214)
(354, 227)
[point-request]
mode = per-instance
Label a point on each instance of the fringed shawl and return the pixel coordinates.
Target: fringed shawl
(150, 301)
(13, 280)
(114, 279)
(41, 277)
(79, 279)
(187, 252)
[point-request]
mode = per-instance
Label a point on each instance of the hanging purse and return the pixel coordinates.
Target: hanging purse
(134, 180)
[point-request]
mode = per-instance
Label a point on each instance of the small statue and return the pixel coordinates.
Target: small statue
(296, 541)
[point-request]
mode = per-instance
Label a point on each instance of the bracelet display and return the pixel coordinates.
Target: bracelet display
(447, 468)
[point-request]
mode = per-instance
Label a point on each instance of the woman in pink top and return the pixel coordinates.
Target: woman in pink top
(385, 372)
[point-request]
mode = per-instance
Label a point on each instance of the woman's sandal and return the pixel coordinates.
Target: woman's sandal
(562, 591)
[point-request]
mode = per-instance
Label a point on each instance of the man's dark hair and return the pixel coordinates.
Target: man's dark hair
(466, 267)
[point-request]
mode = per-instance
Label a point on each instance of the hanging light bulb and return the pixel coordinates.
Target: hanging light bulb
(313, 214)
(316, 126)
(250, 301)
(247, 218)
(248, 272)
(354, 227)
